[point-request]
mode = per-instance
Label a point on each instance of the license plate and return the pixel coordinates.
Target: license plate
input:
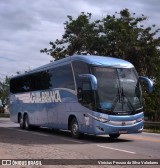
(123, 132)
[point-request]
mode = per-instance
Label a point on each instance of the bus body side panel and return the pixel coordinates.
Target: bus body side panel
(71, 107)
(50, 108)
(13, 109)
(79, 111)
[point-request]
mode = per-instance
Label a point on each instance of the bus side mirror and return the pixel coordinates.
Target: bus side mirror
(85, 92)
(91, 78)
(148, 81)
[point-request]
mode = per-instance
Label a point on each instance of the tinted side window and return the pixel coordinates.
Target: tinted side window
(32, 82)
(40, 81)
(62, 77)
(17, 85)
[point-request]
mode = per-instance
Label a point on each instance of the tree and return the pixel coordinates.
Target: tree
(4, 92)
(121, 35)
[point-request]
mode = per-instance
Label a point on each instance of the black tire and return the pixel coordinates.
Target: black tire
(21, 122)
(26, 122)
(75, 129)
(114, 136)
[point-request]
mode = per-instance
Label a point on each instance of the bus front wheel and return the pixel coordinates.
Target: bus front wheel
(75, 129)
(114, 135)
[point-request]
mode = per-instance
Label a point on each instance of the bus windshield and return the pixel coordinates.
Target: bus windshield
(118, 89)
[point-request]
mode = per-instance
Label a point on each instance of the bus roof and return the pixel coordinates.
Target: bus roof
(103, 61)
(90, 59)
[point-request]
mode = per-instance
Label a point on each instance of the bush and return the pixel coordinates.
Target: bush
(1, 109)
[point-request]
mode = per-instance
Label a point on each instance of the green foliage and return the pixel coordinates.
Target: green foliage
(4, 92)
(121, 35)
(152, 101)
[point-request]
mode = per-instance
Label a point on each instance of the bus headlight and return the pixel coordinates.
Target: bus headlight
(140, 119)
(99, 118)
(102, 119)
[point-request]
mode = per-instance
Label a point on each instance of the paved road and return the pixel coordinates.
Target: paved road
(49, 144)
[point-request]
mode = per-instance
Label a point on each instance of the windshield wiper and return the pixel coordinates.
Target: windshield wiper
(119, 97)
(129, 102)
(116, 99)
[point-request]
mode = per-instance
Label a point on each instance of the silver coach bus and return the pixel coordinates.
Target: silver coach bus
(84, 94)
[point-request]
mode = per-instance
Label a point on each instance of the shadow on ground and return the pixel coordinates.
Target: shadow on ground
(15, 135)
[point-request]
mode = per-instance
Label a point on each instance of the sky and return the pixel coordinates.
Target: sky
(27, 26)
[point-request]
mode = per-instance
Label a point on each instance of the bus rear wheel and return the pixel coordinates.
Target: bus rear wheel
(26, 122)
(75, 129)
(114, 136)
(21, 122)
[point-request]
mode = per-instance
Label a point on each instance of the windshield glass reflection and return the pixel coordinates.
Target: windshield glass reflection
(118, 89)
